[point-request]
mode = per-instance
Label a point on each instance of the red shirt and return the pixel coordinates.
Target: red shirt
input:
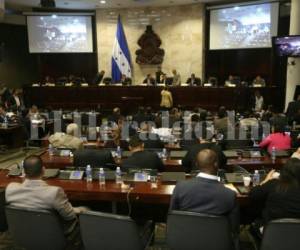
(280, 141)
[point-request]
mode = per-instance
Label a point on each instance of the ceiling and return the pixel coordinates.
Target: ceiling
(93, 4)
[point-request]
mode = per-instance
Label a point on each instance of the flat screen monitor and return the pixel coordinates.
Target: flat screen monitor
(59, 33)
(288, 46)
(243, 26)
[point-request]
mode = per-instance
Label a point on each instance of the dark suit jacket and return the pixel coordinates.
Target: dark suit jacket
(197, 81)
(143, 159)
(151, 140)
(158, 75)
(292, 109)
(201, 195)
(127, 81)
(93, 157)
(189, 161)
(152, 81)
(273, 204)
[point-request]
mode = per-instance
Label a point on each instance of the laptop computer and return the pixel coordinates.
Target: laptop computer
(236, 178)
(251, 154)
(172, 176)
(231, 153)
(178, 154)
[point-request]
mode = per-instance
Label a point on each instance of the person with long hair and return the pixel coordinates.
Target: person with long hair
(278, 197)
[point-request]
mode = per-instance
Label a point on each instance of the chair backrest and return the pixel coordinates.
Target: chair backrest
(3, 223)
(108, 232)
(35, 229)
(93, 157)
(187, 230)
(281, 235)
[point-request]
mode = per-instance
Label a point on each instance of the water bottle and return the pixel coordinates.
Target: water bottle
(118, 175)
(101, 177)
(88, 172)
(273, 154)
(51, 150)
(256, 178)
(119, 152)
(164, 154)
(5, 122)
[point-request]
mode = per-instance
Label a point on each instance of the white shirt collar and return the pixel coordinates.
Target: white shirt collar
(208, 176)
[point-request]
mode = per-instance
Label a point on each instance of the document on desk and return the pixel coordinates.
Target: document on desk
(232, 187)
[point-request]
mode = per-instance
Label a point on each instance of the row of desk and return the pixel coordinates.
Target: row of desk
(80, 190)
(130, 97)
(175, 165)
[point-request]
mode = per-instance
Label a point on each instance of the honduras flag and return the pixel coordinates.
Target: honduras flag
(121, 63)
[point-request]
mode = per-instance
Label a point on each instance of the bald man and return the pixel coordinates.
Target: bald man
(205, 194)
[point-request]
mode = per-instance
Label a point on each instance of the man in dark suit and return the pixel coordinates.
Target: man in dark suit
(149, 139)
(149, 80)
(126, 80)
(99, 77)
(205, 194)
(189, 161)
(158, 75)
(292, 109)
(193, 80)
(141, 158)
(2, 113)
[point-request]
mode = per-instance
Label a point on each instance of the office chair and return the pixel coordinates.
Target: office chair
(34, 229)
(3, 222)
(93, 157)
(281, 234)
(188, 230)
(109, 232)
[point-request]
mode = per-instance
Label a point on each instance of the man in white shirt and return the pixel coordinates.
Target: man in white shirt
(205, 194)
(259, 102)
(176, 78)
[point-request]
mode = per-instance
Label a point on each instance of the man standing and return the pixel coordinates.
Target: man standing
(176, 78)
(205, 194)
(158, 75)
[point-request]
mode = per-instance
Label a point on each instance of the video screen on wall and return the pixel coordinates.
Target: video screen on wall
(288, 46)
(57, 33)
(243, 27)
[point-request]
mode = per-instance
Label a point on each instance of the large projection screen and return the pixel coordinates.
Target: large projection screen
(60, 34)
(243, 27)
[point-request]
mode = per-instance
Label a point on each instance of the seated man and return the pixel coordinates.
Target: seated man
(2, 114)
(150, 140)
(205, 194)
(230, 82)
(68, 140)
(126, 80)
(141, 158)
(149, 80)
(34, 193)
(259, 82)
(193, 80)
(189, 161)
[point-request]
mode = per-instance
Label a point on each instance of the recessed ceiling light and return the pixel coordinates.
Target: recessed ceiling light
(103, 2)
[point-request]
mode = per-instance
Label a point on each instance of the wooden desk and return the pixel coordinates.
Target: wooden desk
(175, 165)
(113, 96)
(83, 191)
(12, 136)
(61, 162)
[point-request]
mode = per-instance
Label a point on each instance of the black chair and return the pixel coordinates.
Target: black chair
(111, 232)
(34, 229)
(3, 222)
(188, 230)
(281, 234)
(93, 157)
